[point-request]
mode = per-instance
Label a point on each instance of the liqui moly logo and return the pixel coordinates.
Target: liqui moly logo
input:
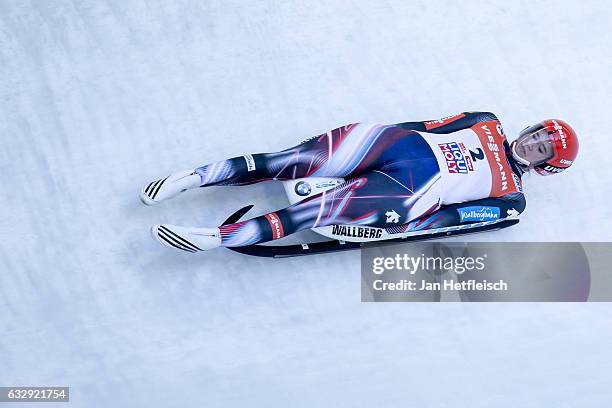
(276, 225)
(495, 149)
(456, 161)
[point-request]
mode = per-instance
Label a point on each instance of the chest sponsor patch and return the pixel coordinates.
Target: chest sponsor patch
(457, 161)
(482, 213)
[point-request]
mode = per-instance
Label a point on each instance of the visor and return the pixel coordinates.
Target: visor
(534, 145)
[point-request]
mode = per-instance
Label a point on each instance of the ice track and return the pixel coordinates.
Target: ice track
(98, 98)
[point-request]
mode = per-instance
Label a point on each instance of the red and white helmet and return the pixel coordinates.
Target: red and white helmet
(548, 147)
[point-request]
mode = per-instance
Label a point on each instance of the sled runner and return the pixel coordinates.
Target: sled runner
(347, 237)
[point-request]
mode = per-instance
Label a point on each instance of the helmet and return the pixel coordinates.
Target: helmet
(548, 147)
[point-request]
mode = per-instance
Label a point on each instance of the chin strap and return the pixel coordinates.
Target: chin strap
(518, 165)
(517, 157)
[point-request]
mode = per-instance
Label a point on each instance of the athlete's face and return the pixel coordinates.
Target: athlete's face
(535, 147)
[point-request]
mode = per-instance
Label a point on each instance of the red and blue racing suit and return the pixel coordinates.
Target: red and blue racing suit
(402, 177)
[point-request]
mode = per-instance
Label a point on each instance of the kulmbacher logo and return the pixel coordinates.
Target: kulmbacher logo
(478, 213)
(356, 232)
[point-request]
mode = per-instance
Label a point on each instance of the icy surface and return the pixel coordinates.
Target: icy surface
(99, 97)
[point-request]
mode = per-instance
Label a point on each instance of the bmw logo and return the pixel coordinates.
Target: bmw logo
(302, 188)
